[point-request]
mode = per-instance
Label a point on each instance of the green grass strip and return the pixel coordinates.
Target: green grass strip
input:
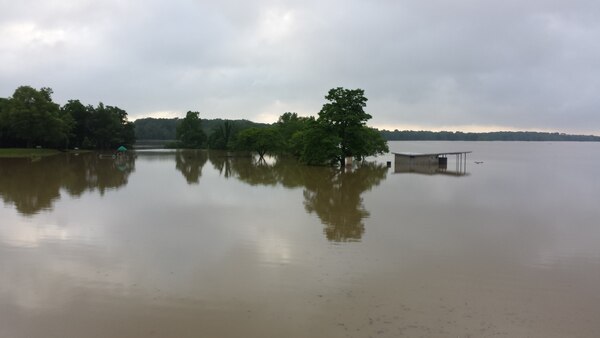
(27, 152)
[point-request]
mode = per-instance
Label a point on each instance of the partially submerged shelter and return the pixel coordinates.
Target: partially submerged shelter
(430, 163)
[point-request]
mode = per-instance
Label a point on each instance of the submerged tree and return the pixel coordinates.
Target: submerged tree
(317, 145)
(339, 132)
(344, 116)
(260, 140)
(222, 136)
(189, 131)
(290, 125)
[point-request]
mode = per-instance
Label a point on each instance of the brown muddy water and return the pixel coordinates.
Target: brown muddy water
(197, 244)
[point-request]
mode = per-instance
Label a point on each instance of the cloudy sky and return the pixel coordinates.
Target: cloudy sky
(435, 64)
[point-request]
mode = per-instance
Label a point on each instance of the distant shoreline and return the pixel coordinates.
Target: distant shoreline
(411, 135)
(164, 129)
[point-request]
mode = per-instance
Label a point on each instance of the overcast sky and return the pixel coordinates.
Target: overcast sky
(424, 64)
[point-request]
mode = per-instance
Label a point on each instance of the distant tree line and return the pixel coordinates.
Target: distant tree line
(410, 135)
(165, 128)
(30, 118)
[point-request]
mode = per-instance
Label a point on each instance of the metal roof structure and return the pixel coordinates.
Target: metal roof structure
(430, 163)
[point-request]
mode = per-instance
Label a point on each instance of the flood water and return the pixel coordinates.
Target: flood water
(198, 244)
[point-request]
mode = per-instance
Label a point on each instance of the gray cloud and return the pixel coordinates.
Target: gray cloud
(434, 64)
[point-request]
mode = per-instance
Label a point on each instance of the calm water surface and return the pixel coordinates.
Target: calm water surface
(197, 244)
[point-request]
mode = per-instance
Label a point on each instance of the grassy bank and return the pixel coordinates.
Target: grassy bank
(27, 152)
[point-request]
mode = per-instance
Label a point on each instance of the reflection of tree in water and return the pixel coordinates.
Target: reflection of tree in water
(34, 185)
(190, 163)
(244, 167)
(220, 161)
(333, 194)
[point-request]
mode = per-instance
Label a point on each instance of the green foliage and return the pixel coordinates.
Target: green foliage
(166, 129)
(345, 108)
(260, 140)
(222, 136)
(340, 131)
(30, 118)
(189, 132)
(26, 152)
(210, 125)
(108, 127)
(317, 145)
(289, 125)
(344, 117)
(3, 118)
(156, 129)
(81, 116)
(368, 143)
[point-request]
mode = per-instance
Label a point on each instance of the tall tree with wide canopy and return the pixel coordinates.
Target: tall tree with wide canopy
(34, 119)
(344, 117)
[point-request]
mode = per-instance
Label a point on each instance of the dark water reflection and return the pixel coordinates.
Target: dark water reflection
(33, 185)
(334, 195)
(190, 164)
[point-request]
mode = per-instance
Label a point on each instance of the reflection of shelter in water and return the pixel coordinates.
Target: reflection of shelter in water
(431, 163)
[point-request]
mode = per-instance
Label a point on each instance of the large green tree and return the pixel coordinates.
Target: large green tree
(31, 118)
(189, 131)
(344, 116)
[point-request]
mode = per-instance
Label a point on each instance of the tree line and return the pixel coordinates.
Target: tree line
(29, 118)
(150, 128)
(338, 132)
